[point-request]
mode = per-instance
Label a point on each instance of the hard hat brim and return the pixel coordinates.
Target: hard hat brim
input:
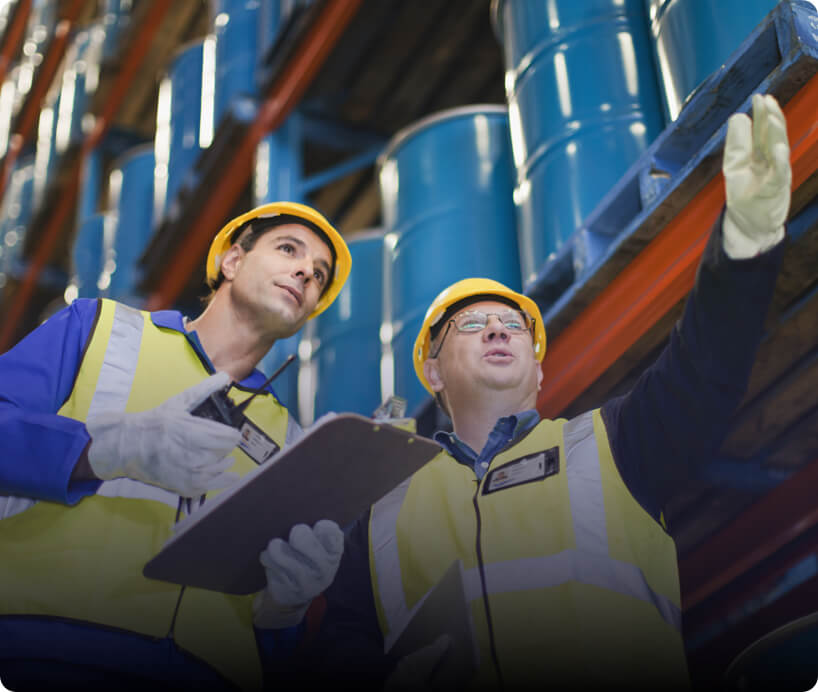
(343, 260)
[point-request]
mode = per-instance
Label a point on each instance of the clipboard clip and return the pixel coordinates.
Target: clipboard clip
(393, 407)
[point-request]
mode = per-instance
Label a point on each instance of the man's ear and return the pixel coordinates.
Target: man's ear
(539, 376)
(431, 369)
(231, 260)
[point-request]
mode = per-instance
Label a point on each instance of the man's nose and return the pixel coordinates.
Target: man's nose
(495, 329)
(303, 269)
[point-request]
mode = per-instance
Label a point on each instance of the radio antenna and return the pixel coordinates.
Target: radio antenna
(244, 404)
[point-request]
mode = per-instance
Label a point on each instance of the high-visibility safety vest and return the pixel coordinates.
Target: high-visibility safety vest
(85, 562)
(570, 582)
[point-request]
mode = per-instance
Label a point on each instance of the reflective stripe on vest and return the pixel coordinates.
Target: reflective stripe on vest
(590, 563)
(384, 541)
(13, 504)
(119, 364)
(111, 395)
(99, 546)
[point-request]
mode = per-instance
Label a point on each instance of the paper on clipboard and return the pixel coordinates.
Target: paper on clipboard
(336, 471)
(444, 610)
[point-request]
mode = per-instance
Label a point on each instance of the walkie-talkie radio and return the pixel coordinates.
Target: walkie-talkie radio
(222, 409)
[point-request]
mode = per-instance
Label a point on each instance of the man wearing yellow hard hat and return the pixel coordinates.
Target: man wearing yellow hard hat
(568, 571)
(102, 456)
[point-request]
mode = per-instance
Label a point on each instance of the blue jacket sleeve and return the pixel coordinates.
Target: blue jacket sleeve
(678, 412)
(41, 448)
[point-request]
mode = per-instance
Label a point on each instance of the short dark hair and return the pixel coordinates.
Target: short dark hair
(246, 236)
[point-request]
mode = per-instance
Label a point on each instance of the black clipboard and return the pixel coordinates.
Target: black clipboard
(336, 471)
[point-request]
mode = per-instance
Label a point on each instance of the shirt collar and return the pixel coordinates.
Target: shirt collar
(516, 424)
(169, 319)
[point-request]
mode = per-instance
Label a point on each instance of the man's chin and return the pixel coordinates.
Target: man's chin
(502, 383)
(286, 319)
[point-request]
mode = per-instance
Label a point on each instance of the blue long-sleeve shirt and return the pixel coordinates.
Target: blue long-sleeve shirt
(41, 448)
(668, 425)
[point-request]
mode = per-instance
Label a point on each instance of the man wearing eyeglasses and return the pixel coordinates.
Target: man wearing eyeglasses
(569, 573)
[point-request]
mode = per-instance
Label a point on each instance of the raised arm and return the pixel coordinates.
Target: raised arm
(679, 410)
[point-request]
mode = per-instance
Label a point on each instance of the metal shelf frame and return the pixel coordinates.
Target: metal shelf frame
(284, 94)
(597, 321)
(137, 50)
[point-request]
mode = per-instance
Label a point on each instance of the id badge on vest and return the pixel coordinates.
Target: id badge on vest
(255, 443)
(527, 469)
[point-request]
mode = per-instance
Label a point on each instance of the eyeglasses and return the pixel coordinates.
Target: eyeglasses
(472, 321)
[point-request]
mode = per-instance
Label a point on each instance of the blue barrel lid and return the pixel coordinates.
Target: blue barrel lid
(414, 128)
(181, 50)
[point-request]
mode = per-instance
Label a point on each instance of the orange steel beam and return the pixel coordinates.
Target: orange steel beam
(65, 205)
(42, 82)
(285, 93)
(14, 35)
(780, 517)
(34, 100)
(130, 66)
(658, 278)
(48, 69)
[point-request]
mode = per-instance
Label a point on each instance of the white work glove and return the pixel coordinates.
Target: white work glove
(757, 178)
(166, 446)
(416, 671)
(297, 571)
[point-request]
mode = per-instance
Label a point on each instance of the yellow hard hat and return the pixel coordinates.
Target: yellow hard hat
(343, 261)
(468, 288)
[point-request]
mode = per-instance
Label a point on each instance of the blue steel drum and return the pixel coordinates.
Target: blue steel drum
(18, 207)
(131, 185)
(346, 342)
(273, 15)
(40, 25)
(42, 20)
(79, 81)
(446, 193)
(236, 27)
(91, 184)
(278, 170)
(583, 105)
(45, 158)
(88, 254)
(693, 38)
(286, 384)
(116, 18)
(185, 92)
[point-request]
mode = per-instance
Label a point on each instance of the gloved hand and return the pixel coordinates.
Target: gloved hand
(166, 446)
(758, 178)
(297, 571)
(416, 671)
